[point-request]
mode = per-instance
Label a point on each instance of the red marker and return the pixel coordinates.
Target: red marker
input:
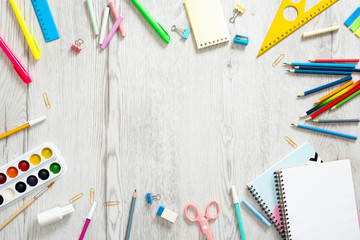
(17, 65)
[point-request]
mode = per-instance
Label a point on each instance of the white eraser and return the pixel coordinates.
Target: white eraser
(167, 214)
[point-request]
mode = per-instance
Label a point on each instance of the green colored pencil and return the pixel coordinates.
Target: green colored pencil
(132, 208)
(345, 100)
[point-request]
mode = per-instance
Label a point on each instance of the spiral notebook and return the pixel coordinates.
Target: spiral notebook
(262, 187)
(319, 202)
(207, 22)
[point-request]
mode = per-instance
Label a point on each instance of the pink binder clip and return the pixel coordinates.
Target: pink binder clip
(77, 47)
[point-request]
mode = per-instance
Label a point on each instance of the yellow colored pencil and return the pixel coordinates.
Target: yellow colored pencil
(26, 125)
(334, 92)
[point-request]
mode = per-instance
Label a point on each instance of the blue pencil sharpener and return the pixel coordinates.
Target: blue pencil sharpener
(244, 40)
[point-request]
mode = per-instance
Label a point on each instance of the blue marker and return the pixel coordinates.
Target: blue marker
(256, 213)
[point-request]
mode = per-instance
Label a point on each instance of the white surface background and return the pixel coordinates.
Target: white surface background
(160, 118)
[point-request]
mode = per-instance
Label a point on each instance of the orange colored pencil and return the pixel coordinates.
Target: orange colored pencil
(334, 92)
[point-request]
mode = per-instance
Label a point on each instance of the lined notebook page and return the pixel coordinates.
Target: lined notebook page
(207, 22)
(320, 202)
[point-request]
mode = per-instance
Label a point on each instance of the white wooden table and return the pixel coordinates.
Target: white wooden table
(166, 119)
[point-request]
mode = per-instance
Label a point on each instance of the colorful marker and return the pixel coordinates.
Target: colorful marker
(17, 65)
(87, 221)
(237, 209)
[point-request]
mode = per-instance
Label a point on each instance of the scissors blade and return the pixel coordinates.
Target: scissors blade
(203, 236)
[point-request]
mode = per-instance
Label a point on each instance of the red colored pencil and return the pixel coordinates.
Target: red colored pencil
(333, 60)
(330, 105)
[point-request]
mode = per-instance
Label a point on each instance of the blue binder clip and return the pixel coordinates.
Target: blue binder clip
(244, 40)
(150, 198)
(183, 32)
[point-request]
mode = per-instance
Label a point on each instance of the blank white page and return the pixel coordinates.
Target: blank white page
(320, 202)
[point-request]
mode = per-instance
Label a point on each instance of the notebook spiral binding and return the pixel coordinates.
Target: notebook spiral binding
(280, 195)
(266, 210)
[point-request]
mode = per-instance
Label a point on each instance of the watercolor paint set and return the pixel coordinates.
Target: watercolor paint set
(29, 172)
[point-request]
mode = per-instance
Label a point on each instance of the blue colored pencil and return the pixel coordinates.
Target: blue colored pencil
(256, 213)
(328, 68)
(319, 72)
(345, 79)
(322, 64)
(324, 131)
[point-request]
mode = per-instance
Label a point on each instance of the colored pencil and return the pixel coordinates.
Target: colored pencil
(324, 131)
(22, 127)
(333, 60)
(348, 78)
(321, 64)
(132, 208)
(330, 105)
(25, 206)
(328, 68)
(337, 120)
(345, 100)
(334, 92)
(319, 72)
(339, 94)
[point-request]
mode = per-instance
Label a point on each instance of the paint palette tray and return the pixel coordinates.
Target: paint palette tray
(32, 170)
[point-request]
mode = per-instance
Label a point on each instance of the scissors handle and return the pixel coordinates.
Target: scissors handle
(197, 217)
(207, 213)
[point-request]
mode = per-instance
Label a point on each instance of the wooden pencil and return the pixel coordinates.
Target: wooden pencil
(314, 90)
(333, 60)
(324, 131)
(337, 120)
(330, 105)
(334, 92)
(345, 100)
(327, 68)
(319, 72)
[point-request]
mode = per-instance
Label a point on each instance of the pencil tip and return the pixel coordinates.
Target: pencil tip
(292, 124)
(135, 190)
(298, 95)
(308, 119)
(288, 70)
(304, 115)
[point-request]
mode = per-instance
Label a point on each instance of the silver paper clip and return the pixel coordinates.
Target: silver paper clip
(184, 33)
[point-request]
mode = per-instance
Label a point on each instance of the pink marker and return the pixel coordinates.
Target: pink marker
(112, 32)
(88, 219)
(17, 65)
(116, 16)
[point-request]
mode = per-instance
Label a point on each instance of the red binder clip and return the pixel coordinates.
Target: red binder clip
(77, 47)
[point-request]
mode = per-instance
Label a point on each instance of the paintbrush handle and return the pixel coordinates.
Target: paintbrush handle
(17, 213)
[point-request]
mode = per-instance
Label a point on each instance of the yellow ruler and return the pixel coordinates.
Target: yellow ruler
(281, 27)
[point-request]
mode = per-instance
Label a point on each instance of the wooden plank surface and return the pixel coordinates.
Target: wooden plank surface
(167, 119)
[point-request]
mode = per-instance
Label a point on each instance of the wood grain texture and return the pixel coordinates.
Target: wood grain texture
(167, 119)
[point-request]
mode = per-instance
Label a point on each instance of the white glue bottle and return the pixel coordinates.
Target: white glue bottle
(54, 215)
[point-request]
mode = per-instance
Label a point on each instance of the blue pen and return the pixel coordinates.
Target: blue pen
(237, 209)
(319, 72)
(322, 64)
(345, 79)
(324, 131)
(256, 213)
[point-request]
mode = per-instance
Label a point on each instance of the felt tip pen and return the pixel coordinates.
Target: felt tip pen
(34, 48)
(154, 24)
(88, 219)
(17, 65)
(237, 209)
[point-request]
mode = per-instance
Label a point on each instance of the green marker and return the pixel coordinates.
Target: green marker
(237, 209)
(154, 24)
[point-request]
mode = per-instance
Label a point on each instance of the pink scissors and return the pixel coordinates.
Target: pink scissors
(205, 231)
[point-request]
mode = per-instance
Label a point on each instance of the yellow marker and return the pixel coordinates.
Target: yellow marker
(34, 48)
(26, 125)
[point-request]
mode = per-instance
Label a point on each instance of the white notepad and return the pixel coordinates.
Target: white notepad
(207, 22)
(318, 202)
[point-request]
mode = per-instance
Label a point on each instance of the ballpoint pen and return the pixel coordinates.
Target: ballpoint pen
(154, 24)
(17, 65)
(34, 48)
